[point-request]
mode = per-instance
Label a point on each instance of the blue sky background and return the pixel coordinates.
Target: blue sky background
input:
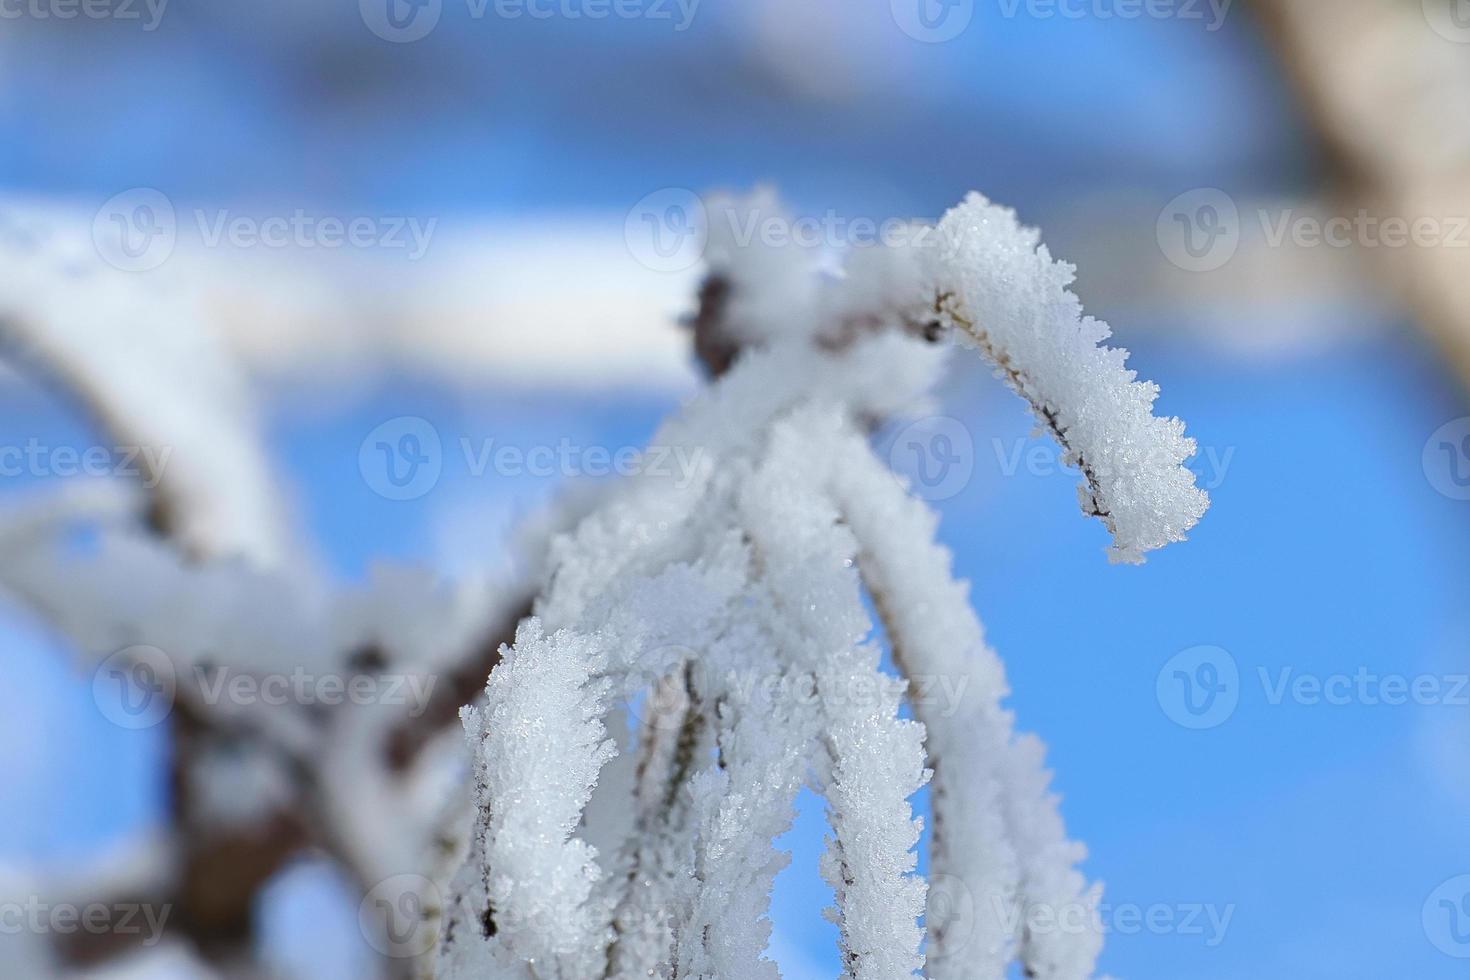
(1324, 828)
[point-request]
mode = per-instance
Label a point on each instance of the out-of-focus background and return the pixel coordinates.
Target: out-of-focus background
(1269, 200)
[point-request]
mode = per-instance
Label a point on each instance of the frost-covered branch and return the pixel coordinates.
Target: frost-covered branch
(743, 581)
(699, 648)
(137, 352)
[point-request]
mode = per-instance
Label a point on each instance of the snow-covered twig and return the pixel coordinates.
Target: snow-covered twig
(744, 579)
(997, 834)
(999, 285)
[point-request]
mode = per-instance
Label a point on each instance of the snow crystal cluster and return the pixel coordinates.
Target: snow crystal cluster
(604, 850)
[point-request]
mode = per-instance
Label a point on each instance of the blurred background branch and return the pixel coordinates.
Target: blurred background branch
(1389, 101)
